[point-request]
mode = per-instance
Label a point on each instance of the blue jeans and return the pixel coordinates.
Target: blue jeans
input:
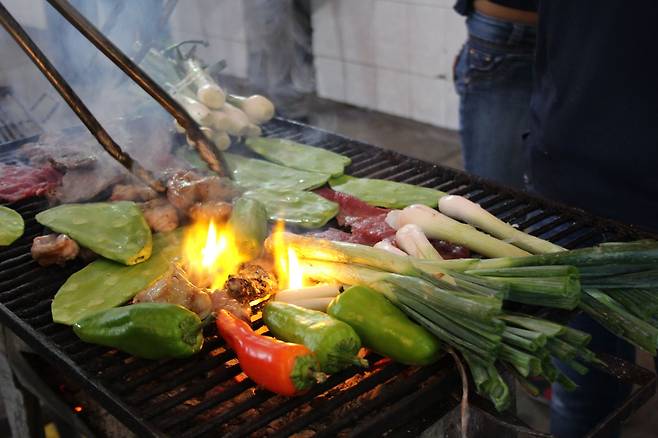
(493, 77)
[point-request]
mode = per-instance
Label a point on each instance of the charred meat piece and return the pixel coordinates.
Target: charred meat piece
(221, 300)
(175, 288)
(160, 215)
(250, 283)
(54, 249)
(185, 188)
(132, 192)
(216, 210)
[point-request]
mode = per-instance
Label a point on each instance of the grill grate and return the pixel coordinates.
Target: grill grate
(15, 123)
(206, 395)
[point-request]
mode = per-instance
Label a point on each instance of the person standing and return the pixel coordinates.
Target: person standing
(593, 144)
(493, 77)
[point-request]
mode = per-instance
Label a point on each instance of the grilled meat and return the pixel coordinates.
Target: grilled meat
(216, 210)
(54, 249)
(84, 184)
(132, 192)
(160, 215)
(175, 288)
(221, 300)
(250, 283)
(20, 182)
(185, 188)
(60, 152)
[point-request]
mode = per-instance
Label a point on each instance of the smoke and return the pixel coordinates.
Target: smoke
(109, 94)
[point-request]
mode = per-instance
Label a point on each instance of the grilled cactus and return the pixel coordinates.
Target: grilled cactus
(249, 220)
(303, 209)
(251, 173)
(299, 156)
(114, 230)
(11, 226)
(104, 284)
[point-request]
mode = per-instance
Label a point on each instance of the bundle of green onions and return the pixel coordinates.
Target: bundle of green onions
(460, 301)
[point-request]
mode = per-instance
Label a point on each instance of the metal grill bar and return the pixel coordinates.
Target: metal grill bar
(180, 398)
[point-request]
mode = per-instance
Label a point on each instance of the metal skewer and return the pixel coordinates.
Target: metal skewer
(74, 101)
(206, 149)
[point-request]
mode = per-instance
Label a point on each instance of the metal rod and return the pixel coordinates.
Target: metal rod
(206, 149)
(72, 99)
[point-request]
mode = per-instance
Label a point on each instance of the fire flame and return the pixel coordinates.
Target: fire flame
(286, 262)
(210, 253)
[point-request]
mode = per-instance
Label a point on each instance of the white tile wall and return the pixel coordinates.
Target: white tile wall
(391, 34)
(392, 55)
(221, 23)
(330, 78)
(361, 85)
(394, 92)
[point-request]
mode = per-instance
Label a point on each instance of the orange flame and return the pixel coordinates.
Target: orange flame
(286, 261)
(210, 253)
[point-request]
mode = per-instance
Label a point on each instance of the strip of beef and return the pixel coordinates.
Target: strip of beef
(217, 210)
(160, 215)
(21, 182)
(186, 188)
(133, 192)
(175, 288)
(350, 207)
(54, 249)
(367, 223)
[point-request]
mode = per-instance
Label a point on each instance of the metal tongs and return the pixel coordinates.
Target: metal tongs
(206, 149)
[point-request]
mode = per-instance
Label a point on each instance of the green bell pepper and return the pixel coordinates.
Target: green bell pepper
(146, 330)
(335, 343)
(383, 327)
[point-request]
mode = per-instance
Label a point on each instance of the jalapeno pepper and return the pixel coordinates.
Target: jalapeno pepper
(383, 327)
(281, 367)
(335, 343)
(146, 330)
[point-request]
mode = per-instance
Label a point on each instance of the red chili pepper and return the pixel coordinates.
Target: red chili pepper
(281, 367)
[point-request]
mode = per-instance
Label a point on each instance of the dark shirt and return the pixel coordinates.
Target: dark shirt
(465, 7)
(593, 139)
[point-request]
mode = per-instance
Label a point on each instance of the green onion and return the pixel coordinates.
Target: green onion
(488, 382)
(618, 320)
(526, 364)
(410, 239)
(548, 328)
(566, 382)
(465, 210)
(439, 226)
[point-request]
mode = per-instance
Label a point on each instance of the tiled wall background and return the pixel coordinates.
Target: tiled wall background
(393, 56)
(221, 23)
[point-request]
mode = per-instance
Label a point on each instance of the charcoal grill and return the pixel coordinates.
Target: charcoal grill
(207, 396)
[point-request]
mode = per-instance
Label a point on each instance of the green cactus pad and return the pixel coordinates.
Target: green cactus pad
(114, 230)
(105, 284)
(298, 155)
(11, 226)
(303, 209)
